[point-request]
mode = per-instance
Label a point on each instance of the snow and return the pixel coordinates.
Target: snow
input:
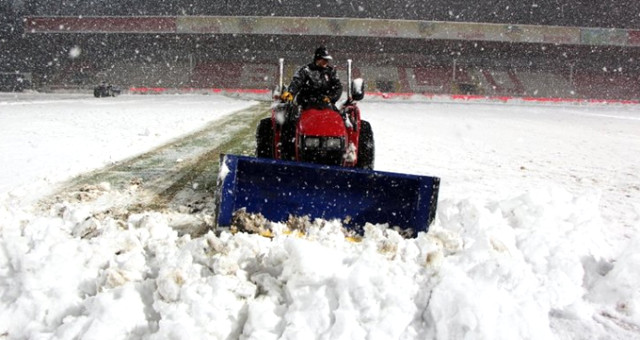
(535, 235)
(48, 138)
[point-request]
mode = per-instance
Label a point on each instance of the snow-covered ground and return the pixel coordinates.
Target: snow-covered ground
(535, 236)
(47, 138)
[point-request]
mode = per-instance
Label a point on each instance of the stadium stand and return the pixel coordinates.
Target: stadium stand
(212, 74)
(502, 82)
(430, 79)
(153, 75)
(74, 75)
(606, 85)
(546, 84)
(406, 46)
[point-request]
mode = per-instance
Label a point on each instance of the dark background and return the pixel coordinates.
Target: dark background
(46, 55)
(592, 13)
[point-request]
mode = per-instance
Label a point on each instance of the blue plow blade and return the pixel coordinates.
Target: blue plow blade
(277, 189)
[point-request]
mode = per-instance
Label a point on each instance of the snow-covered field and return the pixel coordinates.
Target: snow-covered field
(535, 236)
(47, 138)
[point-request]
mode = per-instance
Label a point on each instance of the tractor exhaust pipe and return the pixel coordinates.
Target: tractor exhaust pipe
(281, 81)
(349, 79)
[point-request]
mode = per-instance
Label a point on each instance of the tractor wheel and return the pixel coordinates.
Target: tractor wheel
(366, 146)
(264, 139)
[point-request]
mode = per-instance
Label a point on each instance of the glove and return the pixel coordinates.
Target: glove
(326, 100)
(287, 96)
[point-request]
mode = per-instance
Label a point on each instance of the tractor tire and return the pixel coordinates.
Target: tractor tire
(264, 139)
(366, 147)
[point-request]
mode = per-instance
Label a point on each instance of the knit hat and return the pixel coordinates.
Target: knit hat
(322, 53)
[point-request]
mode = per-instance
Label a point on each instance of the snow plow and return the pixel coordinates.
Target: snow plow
(318, 163)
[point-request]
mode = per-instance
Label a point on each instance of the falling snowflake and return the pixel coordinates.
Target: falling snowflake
(75, 52)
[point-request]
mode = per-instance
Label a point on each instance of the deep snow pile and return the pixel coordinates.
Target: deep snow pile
(534, 238)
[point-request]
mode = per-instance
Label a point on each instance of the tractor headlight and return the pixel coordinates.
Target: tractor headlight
(333, 143)
(312, 142)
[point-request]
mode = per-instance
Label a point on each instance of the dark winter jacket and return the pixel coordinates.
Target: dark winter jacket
(312, 83)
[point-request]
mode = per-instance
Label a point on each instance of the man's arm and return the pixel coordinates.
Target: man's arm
(335, 89)
(298, 80)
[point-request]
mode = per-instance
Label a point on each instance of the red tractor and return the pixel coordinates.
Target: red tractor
(321, 135)
(318, 162)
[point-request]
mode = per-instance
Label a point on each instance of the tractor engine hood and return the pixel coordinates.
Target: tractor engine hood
(321, 123)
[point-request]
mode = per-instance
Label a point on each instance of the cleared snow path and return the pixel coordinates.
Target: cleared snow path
(178, 177)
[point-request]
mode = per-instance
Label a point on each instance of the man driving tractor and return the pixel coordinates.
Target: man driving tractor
(315, 84)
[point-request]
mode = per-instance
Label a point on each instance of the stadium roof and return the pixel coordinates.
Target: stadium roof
(572, 13)
(353, 27)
